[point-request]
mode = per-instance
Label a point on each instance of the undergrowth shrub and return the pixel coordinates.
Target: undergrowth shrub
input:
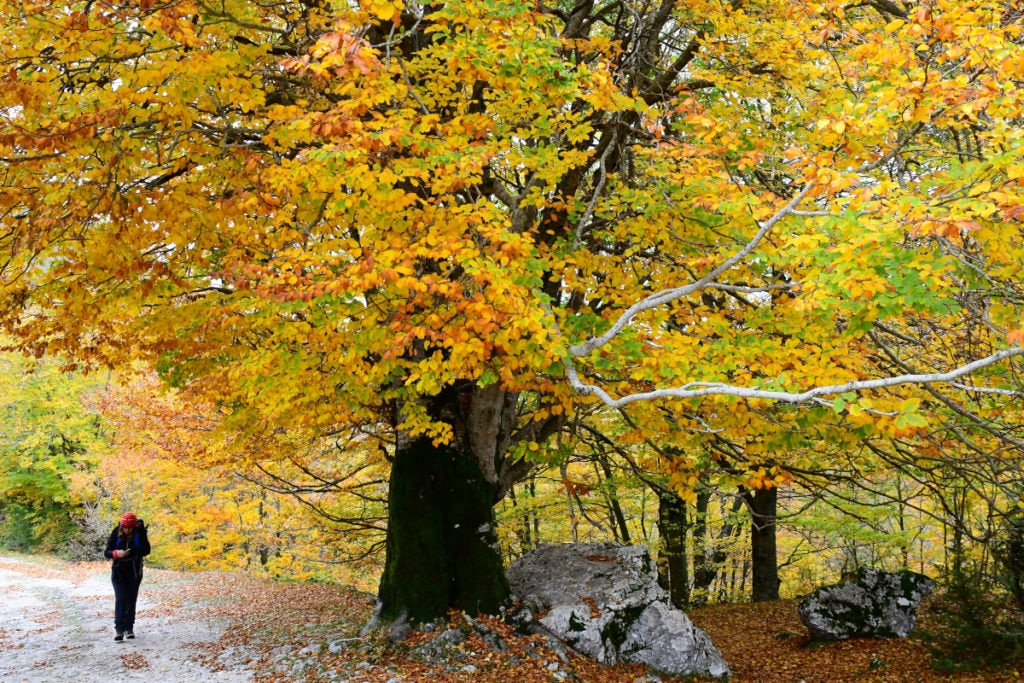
(976, 626)
(16, 529)
(1009, 553)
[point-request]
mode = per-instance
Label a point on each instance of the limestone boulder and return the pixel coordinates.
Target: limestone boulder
(604, 601)
(868, 604)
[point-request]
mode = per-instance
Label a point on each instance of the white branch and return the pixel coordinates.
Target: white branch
(986, 390)
(667, 295)
(815, 214)
(699, 389)
(763, 289)
(597, 192)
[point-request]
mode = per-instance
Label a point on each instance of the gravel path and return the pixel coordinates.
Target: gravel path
(57, 625)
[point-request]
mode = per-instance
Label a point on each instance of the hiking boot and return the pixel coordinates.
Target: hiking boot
(129, 635)
(119, 637)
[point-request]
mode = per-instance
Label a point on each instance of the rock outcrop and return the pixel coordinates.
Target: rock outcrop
(869, 604)
(604, 601)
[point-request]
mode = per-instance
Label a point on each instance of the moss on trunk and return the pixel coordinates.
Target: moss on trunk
(673, 527)
(442, 549)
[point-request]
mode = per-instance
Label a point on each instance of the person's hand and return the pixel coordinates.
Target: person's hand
(117, 554)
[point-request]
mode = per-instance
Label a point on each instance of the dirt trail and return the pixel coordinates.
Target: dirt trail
(56, 625)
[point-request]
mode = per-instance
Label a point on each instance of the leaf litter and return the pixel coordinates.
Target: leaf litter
(278, 632)
(310, 632)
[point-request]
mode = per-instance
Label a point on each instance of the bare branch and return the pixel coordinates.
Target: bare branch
(743, 289)
(667, 295)
(971, 389)
(597, 191)
(699, 389)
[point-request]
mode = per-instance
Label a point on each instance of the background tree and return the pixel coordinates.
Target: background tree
(283, 504)
(50, 444)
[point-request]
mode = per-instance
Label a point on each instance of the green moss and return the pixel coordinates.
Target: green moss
(441, 546)
(575, 624)
(911, 582)
(617, 629)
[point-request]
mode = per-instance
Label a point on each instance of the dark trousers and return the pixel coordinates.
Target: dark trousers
(126, 592)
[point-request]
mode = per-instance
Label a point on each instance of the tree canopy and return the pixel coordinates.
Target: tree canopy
(464, 220)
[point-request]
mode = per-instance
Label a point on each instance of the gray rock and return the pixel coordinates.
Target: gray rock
(338, 646)
(604, 601)
(665, 639)
(399, 629)
(487, 634)
(443, 648)
(869, 604)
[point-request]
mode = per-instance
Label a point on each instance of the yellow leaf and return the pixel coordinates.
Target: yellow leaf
(382, 10)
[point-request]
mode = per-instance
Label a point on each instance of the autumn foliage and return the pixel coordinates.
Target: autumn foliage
(285, 197)
(781, 239)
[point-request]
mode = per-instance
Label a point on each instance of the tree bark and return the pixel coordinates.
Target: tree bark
(442, 551)
(704, 567)
(762, 504)
(618, 518)
(672, 565)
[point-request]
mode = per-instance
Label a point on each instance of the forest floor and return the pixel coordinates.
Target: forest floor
(55, 625)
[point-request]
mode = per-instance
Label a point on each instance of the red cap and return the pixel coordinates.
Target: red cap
(129, 519)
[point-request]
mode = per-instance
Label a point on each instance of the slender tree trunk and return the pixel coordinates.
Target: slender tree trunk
(673, 525)
(442, 551)
(704, 569)
(618, 518)
(531, 486)
(763, 504)
(522, 517)
(573, 521)
(902, 518)
(709, 553)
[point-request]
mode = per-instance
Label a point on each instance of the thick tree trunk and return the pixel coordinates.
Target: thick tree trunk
(442, 549)
(672, 565)
(762, 504)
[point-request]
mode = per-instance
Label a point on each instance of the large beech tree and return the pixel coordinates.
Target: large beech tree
(460, 219)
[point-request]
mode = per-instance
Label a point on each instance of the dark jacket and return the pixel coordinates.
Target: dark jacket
(137, 542)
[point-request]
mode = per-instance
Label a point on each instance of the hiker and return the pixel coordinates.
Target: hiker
(127, 545)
